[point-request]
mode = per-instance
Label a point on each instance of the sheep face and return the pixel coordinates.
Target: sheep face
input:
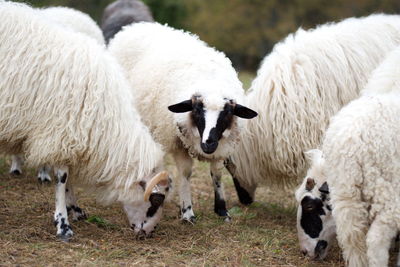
(213, 121)
(315, 225)
(144, 215)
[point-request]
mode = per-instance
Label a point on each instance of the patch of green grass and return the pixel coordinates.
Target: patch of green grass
(100, 222)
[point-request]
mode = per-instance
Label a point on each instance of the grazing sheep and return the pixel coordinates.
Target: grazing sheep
(304, 81)
(316, 228)
(361, 164)
(88, 128)
(70, 19)
(121, 13)
(173, 69)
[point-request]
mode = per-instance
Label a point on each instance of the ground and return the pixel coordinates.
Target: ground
(263, 234)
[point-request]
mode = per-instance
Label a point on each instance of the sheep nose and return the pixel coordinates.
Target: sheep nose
(304, 252)
(209, 146)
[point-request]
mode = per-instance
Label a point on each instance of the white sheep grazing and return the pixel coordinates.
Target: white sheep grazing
(121, 13)
(73, 20)
(89, 127)
(361, 153)
(172, 69)
(306, 79)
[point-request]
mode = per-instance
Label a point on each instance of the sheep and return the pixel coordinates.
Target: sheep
(173, 69)
(70, 19)
(305, 80)
(89, 129)
(74, 20)
(316, 228)
(361, 164)
(121, 13)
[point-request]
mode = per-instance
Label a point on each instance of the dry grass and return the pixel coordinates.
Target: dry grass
(261, 235)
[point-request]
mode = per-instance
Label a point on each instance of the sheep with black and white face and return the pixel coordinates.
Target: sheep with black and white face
(173, 70)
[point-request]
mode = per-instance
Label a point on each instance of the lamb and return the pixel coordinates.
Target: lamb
(201, 88)
(70, 19)
(121, 13)
(361, 165)
(88, 129)
(304, 81)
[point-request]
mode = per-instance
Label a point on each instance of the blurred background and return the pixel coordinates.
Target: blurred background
(245, 30)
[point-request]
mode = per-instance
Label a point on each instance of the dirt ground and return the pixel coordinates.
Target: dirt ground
(263, 234)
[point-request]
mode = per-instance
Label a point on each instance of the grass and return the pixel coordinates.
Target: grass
(263, 234)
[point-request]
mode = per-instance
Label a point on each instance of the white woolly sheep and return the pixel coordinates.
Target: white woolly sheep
(361, 164)
(304, 81)
(89, 128)
(173, 69)
(73, 20)
(121, 13)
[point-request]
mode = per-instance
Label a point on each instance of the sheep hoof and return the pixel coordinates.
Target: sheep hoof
(79, 216)
(15, 172)
(65, 238)
(227, 219)
(44, 180)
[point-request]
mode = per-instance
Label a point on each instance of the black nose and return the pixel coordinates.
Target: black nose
(209, 147)
(320, 247)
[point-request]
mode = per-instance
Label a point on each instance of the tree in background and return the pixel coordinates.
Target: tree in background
(245, 30)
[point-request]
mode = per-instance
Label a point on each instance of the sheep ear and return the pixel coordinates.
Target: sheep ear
(181, 107)
(156, 199)
(244, 112)
(313, 155)
(310, 184)
(161, 179)
(324, 188)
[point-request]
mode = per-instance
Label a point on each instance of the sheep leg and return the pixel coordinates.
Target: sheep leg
(44, 174)
(16, 165)
(244, 193)
(219, 200)
(184, 165)
(351, 226)
(64, 231)
(379, 237)
(72, 207)
(398, 260)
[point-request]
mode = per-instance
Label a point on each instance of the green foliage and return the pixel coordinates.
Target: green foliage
(245, 30)
(172, 12)
(100, 222)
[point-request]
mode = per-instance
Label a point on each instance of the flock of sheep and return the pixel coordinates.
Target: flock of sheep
(103, 117)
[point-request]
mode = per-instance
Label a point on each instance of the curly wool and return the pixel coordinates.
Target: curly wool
(169, 66)
(74, 20)
(304, 81)
(362, 155)
(88, 123)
